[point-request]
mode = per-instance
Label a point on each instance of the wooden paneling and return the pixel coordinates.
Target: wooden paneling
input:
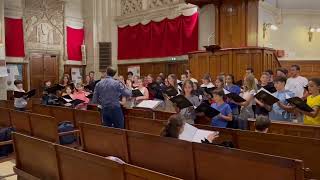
(154, 68)
(308, 68)
(234, 61)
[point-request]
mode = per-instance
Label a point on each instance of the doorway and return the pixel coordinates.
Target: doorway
(43, 67)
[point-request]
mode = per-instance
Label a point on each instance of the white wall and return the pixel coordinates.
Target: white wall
(206, 25)
(292, 35)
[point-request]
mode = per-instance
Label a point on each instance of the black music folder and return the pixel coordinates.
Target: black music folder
(266, 97)
(154, 86)
(67, 97)
(171, 91)
(299, 103)
(208, 90)
(181, 102)
(207, 110)
(55, 88)
(235, 97)
(18, 94)
(73, 102)
(90, 96)
(136, 93)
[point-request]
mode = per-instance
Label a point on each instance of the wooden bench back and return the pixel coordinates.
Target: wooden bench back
(165, 155)
(213, 162)
(3, 104)
(138, 173)
(144, 125)
(5, 117)
(36, 157)
(145, 113)
(91, 117)
(63, 114)
(75, 164)
(305, 149)
(291, 129)
(104, 141)
(42, 109)
(21, 122)
(44, 127)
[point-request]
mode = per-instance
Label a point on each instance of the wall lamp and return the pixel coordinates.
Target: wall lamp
(311, 31)
(267, 26)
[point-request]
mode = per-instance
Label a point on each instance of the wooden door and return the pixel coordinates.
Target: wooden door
(42, 68)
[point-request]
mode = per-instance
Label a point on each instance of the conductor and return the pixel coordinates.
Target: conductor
(107, 93)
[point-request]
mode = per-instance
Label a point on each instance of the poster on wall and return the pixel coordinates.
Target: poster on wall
(135, 70)
(3, 69)
(14, 73)
(76, 76)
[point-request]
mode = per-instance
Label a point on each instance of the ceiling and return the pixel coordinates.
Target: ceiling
(296, 4)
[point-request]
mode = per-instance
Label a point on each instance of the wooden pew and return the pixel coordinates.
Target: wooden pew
(291, 129)
(3, 104)
(59, 162)
(145, 125)
(36, 157)
(63, 114)
(274, 144)
(42, 109)
(21, 121)
(138, 173)
(213, 162)
(5, 117)
(166, 155)
(44, 127)
(306, 149)
(111, 142)
(145, 113)
(92, 117)
(75, 164)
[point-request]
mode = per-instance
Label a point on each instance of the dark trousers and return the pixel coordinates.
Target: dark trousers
(113, 117)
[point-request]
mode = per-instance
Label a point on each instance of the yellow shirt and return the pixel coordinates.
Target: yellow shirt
(313, 102)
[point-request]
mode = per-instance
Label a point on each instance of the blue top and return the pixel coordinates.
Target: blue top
(233, 89)
(278, 113)
(108, 91)
(225, 110)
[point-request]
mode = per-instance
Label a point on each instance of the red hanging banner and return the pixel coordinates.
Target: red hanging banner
(14, 37)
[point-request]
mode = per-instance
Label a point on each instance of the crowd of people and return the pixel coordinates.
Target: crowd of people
(282, 84)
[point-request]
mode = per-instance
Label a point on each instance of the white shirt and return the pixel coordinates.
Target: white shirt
(296, 85)
(209, 85)
(194, 80)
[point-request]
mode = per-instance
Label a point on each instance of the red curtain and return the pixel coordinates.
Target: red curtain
(75, 39)
(170, 37)
(14, 37)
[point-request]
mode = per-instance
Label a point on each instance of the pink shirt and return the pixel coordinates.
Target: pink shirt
(81, 96)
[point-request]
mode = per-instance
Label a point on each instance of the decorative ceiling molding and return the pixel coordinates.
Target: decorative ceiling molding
(154, 14)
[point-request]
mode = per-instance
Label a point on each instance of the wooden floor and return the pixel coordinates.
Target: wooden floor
(6, 172)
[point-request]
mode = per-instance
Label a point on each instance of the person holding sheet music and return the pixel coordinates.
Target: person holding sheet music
(45, 93)
(81, 95)
(65, 80)
(175, 127)
(225, 111)
(312, 118)
(250, 88)
(296, 83)
(189, 76)
(189, 113)
(219, 83)
(67, 91)
(280, 110)
(172, 81)
(21, 103)
(107, 93)
(206, 81)
(143, 90)
(264, 83)
(231, 87)
(135, 81)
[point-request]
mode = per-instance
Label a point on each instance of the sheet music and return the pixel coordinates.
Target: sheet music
(193, 134)
(202, 134)
(67, 100)
(151, 104)
(188, 132)
(226, 91)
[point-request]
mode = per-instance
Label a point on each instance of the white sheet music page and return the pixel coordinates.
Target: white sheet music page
(188, 132)
(150, 104)
(202, 135)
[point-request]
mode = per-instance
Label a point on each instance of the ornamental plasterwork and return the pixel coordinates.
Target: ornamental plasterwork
(130, 6)
(160, 3)
(44, 25)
